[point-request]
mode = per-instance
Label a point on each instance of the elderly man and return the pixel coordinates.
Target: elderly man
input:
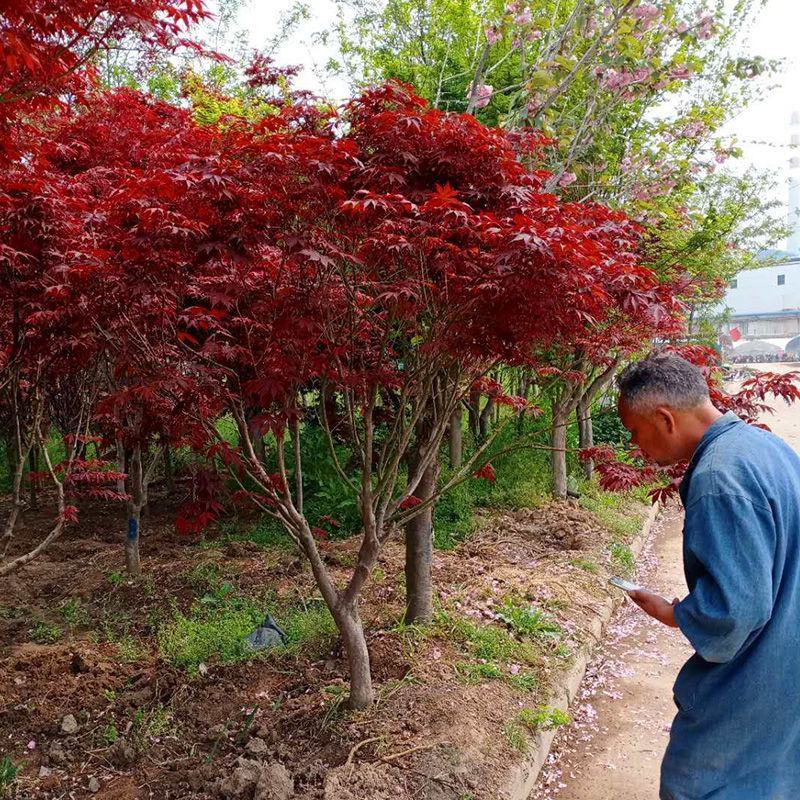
(736, 735)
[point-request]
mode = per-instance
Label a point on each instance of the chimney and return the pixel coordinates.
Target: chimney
(793, 242)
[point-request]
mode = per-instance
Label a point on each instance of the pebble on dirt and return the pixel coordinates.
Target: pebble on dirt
(69, 725)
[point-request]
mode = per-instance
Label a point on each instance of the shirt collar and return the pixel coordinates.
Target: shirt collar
(715, 429)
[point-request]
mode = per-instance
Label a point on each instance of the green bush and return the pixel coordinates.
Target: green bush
(608, 428)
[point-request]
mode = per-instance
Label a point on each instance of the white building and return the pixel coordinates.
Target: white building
(765, 303)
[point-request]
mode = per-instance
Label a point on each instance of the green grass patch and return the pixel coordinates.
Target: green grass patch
(8, 775)
(470, 672)
(308, 627)
(73, 613)
(620, 513)
(586, 564)
(524, 681)
(46, 632)
(209, 634)
(266, 532)
(622, 558)
(530, 720)
(215, 628)
(525, 620)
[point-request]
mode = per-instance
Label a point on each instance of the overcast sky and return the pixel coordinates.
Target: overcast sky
(763, 130)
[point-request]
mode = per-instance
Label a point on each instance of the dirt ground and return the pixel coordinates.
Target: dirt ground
(89, 706)
(614, 747)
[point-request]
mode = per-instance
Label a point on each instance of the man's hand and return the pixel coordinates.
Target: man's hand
(657, 607)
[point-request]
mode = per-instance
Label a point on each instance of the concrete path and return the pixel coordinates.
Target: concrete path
(613, 748)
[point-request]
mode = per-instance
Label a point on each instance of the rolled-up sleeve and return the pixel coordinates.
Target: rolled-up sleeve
(733, 542)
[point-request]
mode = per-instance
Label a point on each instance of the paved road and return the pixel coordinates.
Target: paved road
(614, 747)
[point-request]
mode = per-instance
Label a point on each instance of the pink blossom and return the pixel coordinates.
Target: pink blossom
(483, 94)
(705, 29)
(680, 73)
(535, 35)
(524, 18)
(646, 12)
(682, 28)
(534, 104)
(492, 35)
(32, 744)
(567, 179)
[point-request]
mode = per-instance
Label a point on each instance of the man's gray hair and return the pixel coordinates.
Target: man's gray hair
(663, 379)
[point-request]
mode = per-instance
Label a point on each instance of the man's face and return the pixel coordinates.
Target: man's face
(655, 432)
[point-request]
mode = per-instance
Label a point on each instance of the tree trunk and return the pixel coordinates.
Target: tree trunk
(456, 439)
(419, 552)
(137, 493)
(120, 466)
(259, 448)
(169, 472)
(355, 645)
(586, 434)
(485, 417)
(473, 411)
(33, 466)
(558, 455)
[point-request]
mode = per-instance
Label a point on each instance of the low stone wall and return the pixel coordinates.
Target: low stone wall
(523, 776)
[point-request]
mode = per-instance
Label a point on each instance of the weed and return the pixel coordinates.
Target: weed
(485, 642)
(110, 695)
(8, 774)
(130, 650)
(11, 612)
(515, 734)
(46, 632)
(622, 558)
(477, 673)
(73, 614)
(115, 625)
(109, 735)
(544, 717)
(204, 577)
(335, 699)
(525, 620)
(116, 577)
(151, 724)
(613, 510)
(562, 651)
(585, 564)
(309, 626)
(524, 681)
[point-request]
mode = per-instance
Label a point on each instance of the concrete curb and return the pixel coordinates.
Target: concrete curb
(523, 777)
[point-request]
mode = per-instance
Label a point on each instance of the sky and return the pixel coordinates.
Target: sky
(762, 131)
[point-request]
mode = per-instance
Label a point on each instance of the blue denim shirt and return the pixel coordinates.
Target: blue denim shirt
(737, 732)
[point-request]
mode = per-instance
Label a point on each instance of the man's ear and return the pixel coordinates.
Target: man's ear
(667, 419)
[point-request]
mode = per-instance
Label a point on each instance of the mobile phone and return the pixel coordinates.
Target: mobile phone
(626, 586)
